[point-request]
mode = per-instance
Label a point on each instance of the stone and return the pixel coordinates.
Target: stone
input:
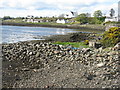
(91, 44)
(117, 46)
(70, 52)
(85, 50)
(56, 52)
(100, 64)
(94, 44)
(30, 53)
(37, 54)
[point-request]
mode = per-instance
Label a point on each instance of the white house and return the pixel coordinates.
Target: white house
(112, 19)
(30, 20)
(71, 14)
(37, 20)
(33, 20)
(63, 21)
(30, 16)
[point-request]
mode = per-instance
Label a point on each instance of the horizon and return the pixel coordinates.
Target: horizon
(49, 8)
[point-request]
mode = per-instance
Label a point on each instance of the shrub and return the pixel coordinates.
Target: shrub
(111, 37)
(86, 42)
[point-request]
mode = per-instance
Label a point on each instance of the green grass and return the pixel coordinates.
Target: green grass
(74, 44)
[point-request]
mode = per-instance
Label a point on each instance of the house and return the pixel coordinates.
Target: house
(38, 20)
(63, 21)
(71, 14)
(30, 17)
(33, 20)
(30, 20)
(112, 19)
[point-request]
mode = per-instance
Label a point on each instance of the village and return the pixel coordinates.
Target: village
(71, 16)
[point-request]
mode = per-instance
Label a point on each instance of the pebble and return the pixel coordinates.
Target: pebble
(58, 57)
(37, 54)
(100, 64)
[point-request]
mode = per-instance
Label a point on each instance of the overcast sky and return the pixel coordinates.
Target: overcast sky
(16, 8)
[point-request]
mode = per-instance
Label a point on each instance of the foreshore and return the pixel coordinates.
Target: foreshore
(42, 64)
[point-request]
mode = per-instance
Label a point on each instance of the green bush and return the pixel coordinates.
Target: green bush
(111, 37)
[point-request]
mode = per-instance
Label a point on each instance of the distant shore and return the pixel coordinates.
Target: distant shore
(85, 27)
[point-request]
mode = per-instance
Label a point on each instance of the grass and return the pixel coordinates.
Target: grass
(74, 44)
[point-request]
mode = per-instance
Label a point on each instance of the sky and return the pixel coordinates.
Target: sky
(22, 8)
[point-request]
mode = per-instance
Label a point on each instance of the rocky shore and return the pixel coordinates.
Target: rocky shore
(41, 64)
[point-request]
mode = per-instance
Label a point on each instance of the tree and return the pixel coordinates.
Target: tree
(82, 18)
(112, 12)
(6, 17)
(97, 13)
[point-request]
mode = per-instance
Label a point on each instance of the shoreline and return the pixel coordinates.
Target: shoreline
(68, 37)
(102, 28)
(39, 64)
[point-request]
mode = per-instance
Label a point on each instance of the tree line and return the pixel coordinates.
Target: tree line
(82, 18)
(97, 18)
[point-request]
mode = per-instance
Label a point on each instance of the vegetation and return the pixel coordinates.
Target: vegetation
(86, 42)
(82, 18)
(7, 17)
(74, 44)
(112, 12)
(111, 37)
(97, 19)
(97, 13)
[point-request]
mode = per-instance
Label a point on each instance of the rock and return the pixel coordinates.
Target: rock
(37, 54)
(37, 45)
(117, 46)
(56, 52)
(100, 64)
(92, 44)
(85, 50)
(30, 53)
(25, 69)
(70, 52)
(61, 63)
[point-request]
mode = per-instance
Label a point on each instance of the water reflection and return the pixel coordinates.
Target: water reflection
(14, 34)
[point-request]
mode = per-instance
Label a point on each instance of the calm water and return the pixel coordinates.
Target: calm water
(12, 34)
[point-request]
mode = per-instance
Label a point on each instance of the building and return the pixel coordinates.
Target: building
(63, 21)
(74, 14)
(112, 19)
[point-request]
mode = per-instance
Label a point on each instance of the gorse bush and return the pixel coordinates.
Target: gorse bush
(86, 42)
(111, 37)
